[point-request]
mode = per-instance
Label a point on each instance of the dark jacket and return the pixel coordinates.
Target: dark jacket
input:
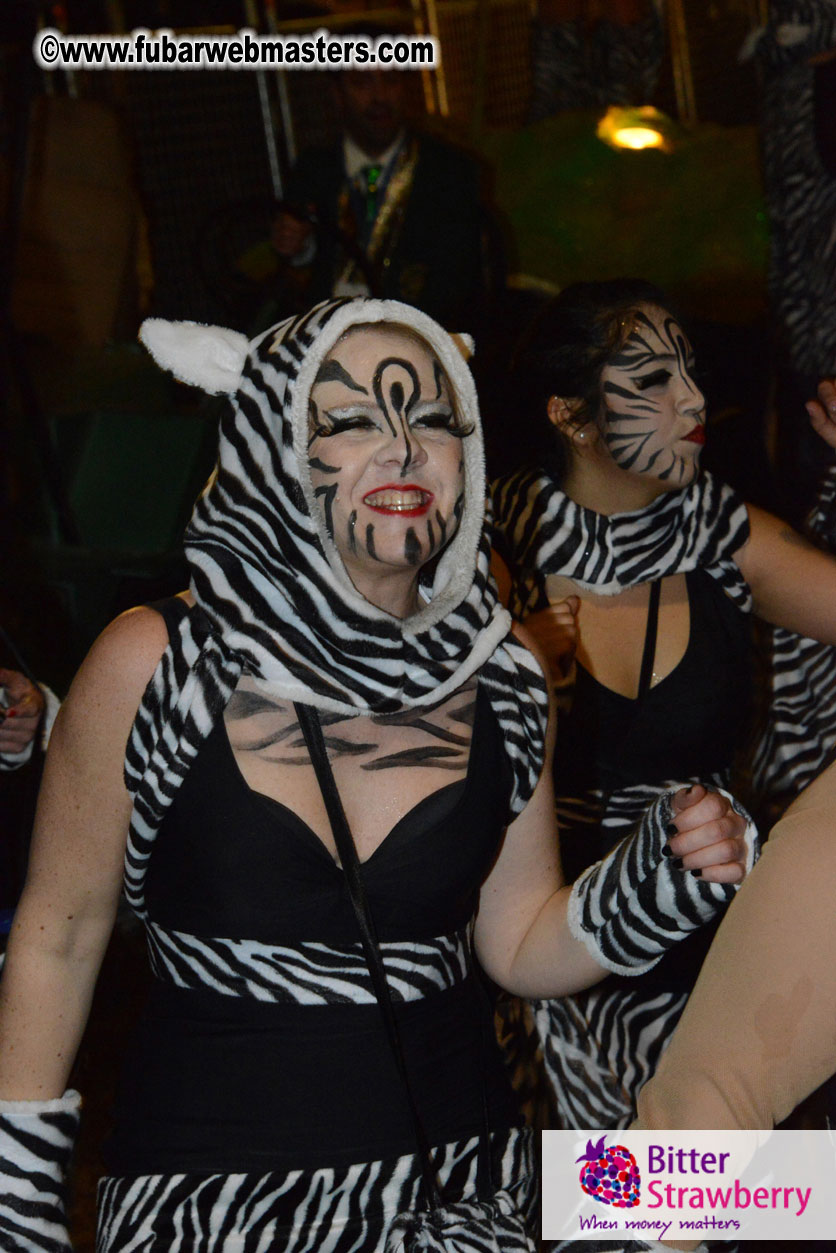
(436, 262)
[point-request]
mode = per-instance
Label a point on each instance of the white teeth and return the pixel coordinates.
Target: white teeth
(389, 499)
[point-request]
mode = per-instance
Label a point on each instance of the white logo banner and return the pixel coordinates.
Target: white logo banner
(698, 1185)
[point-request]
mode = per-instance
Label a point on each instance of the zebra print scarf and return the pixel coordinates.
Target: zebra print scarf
(541, 531)
(273, 599)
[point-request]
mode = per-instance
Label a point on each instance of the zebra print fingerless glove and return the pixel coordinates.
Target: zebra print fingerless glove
(36, 1142)
(629, 908)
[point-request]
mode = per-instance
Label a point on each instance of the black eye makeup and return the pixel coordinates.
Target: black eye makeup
(340, 421)
(657, 378)
(337, 426)
(440, 418)
(436, 420)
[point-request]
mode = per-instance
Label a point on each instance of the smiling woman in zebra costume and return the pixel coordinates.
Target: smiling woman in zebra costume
(626, 558)
(340, 561)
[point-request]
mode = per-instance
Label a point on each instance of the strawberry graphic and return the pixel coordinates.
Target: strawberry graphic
(610, 1175)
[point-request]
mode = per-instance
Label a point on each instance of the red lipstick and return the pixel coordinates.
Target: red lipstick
(697, 436)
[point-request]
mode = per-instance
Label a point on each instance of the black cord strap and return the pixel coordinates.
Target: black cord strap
(312, 731)
(649, 652)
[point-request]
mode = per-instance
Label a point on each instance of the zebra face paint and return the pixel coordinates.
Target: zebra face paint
(385, 453)
(654, 414)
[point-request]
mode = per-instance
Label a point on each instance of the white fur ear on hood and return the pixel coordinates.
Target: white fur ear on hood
(209, 357)
(465, 343)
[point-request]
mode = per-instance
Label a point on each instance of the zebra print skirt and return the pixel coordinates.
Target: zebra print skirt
(330, 1210)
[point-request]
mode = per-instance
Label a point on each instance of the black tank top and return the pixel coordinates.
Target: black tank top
(688, 725)
(231, 1083)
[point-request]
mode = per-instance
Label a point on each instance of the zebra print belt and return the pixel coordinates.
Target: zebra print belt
(309, 972)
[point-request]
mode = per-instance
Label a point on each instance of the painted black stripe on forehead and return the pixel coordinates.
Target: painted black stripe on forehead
(397, 398)
(639, 343)
(670, 336)
(332, 372)
(680, 343)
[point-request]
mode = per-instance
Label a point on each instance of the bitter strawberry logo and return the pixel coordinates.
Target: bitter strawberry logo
(610, 1175)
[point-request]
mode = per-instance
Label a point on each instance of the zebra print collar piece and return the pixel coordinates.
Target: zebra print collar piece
(273, 598)
(541, 531)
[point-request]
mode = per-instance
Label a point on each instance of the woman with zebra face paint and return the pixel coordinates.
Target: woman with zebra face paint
(339, 560)
(386, 460)
(653, 425)
(635, 571)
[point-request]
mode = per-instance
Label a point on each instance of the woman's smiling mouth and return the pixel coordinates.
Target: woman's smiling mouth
(407, 500)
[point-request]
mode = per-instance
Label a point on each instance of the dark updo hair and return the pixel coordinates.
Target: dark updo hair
(563, 353)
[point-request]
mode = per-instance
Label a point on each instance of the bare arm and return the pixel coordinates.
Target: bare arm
(793, 583)
(521, 937)
(759, 1031)
(65, 916)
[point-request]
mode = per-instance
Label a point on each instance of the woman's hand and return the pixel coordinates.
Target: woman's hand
(709, 836)
(640, 900)
(823, 411)
(556, 631)
(24, 706)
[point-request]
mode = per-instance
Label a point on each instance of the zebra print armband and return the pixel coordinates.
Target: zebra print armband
(36, 1143)
(632, 906)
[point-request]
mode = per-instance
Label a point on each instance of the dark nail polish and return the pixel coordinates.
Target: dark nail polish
(671, 829)
(676, 862)
(666, 850)
(697, 874)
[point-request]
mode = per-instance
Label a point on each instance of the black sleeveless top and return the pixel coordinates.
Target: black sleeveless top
(237, 1079)
(688, 727)
(689, 723)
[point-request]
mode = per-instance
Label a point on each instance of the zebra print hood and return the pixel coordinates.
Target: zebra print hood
(273, 599)
(269, 578)
(541, 531)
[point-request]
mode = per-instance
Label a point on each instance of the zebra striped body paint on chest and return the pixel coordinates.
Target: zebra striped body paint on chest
(437, 739)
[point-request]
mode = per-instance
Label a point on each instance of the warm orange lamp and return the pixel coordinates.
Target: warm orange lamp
(636, 128)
